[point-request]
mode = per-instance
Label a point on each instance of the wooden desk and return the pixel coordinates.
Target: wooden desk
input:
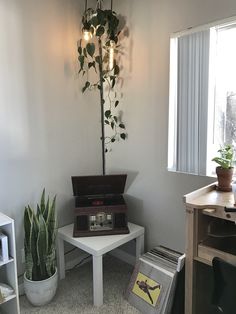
(205, 216)
(98, 246)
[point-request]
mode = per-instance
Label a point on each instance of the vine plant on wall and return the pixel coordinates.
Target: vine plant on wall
(100, 70)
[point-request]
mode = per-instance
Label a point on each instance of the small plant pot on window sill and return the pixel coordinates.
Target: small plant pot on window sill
(224, 179)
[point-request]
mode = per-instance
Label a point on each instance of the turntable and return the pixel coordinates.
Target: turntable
(100, 208)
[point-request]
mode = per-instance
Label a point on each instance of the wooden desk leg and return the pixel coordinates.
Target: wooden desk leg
(97, 281)
(61, 258)
(139, 246)
(189, 262)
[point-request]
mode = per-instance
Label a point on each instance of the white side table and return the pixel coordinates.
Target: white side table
(97, 246)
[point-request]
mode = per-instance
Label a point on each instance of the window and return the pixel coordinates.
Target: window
(202, 98)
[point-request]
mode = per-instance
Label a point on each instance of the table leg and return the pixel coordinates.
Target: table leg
(61, 258)
(139, 246)
(97, 281)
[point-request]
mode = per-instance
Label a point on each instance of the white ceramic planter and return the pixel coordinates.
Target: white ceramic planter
(41, 292)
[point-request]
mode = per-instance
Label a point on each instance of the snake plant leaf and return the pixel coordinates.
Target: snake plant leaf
(42, 246)
(28, 262)
(50, 262)
(45, 214)
(27, 224)
(42, 202)
(38, 211)
(51, 225)
(33, 246)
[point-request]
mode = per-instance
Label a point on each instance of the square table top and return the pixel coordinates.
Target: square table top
(99, 245)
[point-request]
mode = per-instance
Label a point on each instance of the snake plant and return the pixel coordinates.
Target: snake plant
(40, 239)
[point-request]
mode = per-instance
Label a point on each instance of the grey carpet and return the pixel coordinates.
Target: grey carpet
(75, 292)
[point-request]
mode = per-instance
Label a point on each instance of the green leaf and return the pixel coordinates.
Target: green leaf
(85, 52)
(87, 84)
(101, 15)
(81, 60)
(103, 101)
(91, 64)
(90, 47)
(107, 113)
(113, 140)
(94, 21)
(107, 122)
(112, 125)
(98, 59)
(122, 126)
(116, 103)
(100, 31)
(113, 83)
(115, 118)
(99, 87)
(123, 136)
(42, 202)
(80, 50)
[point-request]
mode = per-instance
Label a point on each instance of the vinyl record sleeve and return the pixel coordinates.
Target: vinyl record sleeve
(152, 299)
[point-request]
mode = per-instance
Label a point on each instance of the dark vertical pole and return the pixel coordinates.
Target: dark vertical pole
(102, 102)
(102, 107)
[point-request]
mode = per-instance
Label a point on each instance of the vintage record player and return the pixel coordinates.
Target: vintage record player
(100, 208)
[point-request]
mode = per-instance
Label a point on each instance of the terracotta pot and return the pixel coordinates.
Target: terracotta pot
(224, 178)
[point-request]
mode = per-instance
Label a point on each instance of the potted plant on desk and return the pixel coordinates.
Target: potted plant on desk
(225, 169)
(40, 278)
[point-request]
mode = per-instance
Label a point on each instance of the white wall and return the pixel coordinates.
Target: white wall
(154, 194)
(48, 129)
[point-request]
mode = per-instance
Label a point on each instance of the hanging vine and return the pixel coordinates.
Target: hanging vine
(99, 68)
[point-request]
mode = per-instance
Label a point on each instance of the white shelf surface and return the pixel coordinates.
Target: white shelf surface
(6, 262)
(10, 297)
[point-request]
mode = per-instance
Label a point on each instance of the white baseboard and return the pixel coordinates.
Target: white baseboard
(72, 262)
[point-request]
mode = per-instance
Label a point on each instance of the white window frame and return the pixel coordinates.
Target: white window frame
(173, 91)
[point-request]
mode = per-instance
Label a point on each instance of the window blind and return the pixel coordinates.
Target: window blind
(192, 102)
